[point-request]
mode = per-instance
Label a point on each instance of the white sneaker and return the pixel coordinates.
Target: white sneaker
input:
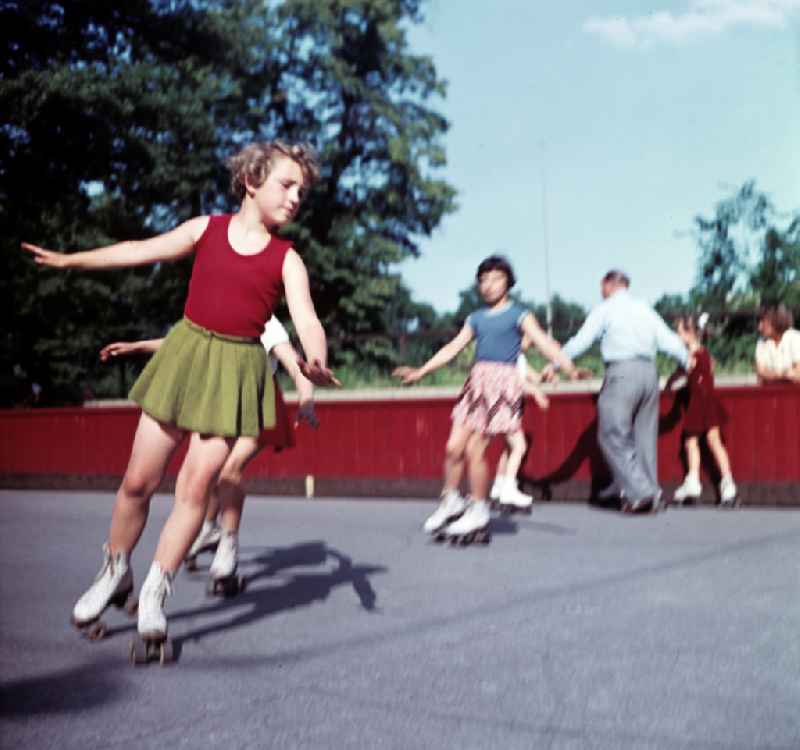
(513, 496)
(727, 491)
(112, 585)
(226, 560)
(691, 489)
(497, 486)
(474, 518)
(155, 589)
(206, 540)
(450, 507)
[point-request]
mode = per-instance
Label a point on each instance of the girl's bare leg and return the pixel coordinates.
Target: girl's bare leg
(502, 463)
(518, 445)
(693, 457)
(478, 469)
(214, 505)
(455, 451)
(203, 462)
(153, 446)
(719, 451)
(230, 485)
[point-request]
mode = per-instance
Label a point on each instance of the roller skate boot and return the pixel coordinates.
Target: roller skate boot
(512, 500)
(207, 541)
(112, 585)
(151, 642)
(471, 527)
(496, 491)
(690, 490)
(223, 580)
(450, 507)
(728, 493)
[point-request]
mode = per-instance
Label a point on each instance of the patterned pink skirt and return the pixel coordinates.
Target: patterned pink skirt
(491, 400)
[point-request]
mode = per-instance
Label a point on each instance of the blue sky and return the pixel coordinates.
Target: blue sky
(642, 114)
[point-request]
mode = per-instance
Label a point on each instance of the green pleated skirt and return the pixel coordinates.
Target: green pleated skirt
(208, 383)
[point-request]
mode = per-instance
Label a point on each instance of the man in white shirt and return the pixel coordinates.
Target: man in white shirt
(630, 333)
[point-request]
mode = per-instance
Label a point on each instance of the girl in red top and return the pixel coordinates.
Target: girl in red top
(704, 416)
(210, 378)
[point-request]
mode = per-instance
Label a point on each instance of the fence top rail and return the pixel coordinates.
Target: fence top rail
(741, 383)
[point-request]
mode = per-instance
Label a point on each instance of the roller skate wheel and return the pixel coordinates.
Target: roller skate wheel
(166, 653)
(138, 651)
(96, 631)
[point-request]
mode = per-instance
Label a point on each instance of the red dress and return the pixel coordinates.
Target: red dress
(282, 434)
(704, 410)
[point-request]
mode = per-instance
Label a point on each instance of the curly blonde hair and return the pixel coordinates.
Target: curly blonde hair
(254, 162)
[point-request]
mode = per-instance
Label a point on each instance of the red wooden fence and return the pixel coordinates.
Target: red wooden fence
(396, 446)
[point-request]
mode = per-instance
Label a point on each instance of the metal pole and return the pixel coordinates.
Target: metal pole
(549, 299)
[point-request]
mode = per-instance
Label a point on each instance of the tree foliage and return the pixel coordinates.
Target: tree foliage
(748, 255)
(118, 120)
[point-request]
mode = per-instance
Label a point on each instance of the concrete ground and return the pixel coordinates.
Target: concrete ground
(576, 628)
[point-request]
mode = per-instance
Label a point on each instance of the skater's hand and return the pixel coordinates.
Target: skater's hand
(306, 413)
(581, 373)
(44, 257)
(317, 374)
(407, 375)
(117, 349)
(541, 400)
(549, 374)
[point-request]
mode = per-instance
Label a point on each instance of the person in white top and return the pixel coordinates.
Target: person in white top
(227, 497)
(778, 351)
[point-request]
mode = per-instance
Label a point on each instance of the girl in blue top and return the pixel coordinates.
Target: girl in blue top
(490, 402)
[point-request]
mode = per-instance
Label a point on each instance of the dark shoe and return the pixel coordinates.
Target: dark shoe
(642, 505)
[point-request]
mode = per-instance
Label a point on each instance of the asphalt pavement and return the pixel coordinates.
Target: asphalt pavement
(577, 627)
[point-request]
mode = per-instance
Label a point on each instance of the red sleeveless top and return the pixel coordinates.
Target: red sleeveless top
(232, 293)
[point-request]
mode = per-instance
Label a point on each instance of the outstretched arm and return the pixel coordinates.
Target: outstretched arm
(306, 323)
(548, 346)
(411, 375)
(123, 348)
(169, 246)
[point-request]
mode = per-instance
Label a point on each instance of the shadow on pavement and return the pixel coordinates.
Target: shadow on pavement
(300, 590)
(71, 690)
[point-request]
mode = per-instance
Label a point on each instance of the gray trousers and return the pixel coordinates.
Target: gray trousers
(627, 426)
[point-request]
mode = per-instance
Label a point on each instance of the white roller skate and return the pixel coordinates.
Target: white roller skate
(450, 507)
(727, 493)
(472, 526)
(512, 500)
(152, 642)
(691, 489)
(112, 585)
(206, 541)
(497, 486)
(223, 580)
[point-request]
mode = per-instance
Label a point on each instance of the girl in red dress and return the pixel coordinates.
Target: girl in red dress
(704, 416)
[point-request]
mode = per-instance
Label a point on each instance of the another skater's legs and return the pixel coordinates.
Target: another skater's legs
(510, 494)
(690, 489)
(727, 488)
(231, 495)
(230, 492)
(500, 474)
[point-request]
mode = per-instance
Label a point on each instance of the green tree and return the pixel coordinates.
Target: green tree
(746, 257)
(119, 117)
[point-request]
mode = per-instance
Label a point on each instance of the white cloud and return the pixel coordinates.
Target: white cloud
(702, 17)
